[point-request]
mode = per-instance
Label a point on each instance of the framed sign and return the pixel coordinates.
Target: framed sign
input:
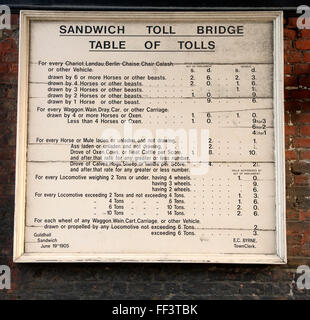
(150, 137)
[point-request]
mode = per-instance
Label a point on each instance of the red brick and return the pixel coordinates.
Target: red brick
(290, 155)
(287, 94)
(304, 81)
(293, 56)
(294, 237)
(302, 44)
(305, 106)
(290, 130)
(7, 33)
(305, 131)
(292, 105)
(298, 93)
(288, 45)
(13, 68)
(295, 118)
(304, 155)
(8, 78)
(288, 69)
(304, 118)
(292, 22)
(306, 56)
(7, 190)
(12, 92)
(302, 68)
(10, 56)
(5, 45)
(3, 68)
(14, 19)
(301, 179)
(290, 81)
(287, 142)
(302, 142)
(286, 117)
(12, 117)
(7, 153)
(292, 214)
(304, 215)
(306, 236)
(305, 33)
(290, 34)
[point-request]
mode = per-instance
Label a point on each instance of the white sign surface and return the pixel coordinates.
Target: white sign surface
(150, 137)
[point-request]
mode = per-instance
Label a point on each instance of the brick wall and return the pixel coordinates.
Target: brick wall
(297, 134)
(168, 281)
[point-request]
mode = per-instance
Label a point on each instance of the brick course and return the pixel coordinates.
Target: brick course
(168, 281)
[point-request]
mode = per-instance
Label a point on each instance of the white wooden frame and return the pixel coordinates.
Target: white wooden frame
(20, 194)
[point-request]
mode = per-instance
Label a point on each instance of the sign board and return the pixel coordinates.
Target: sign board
(150, 137)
